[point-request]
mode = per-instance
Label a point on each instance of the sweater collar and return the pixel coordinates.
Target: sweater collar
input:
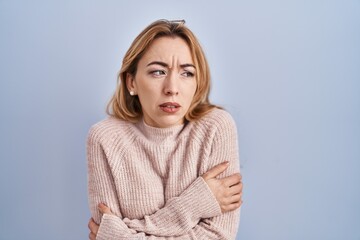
(158, 135)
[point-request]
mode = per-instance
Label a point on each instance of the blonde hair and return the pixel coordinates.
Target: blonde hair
(126, 107)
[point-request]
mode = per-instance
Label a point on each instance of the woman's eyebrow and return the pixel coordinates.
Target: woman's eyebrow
(187, 65)
(158, 63)
(167, 66)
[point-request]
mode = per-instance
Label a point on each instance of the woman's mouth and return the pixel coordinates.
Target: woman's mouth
(170, 107)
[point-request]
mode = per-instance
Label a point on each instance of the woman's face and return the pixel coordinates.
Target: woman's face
(165, 82)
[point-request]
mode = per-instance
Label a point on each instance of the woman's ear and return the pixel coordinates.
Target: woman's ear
(131, 86)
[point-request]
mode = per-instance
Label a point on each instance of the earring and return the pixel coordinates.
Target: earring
(132, 93)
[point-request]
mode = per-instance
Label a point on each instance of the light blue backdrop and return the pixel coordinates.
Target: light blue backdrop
(288, 71)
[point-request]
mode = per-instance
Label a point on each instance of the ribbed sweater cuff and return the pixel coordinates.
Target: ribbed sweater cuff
(112, 228)
(200, 200)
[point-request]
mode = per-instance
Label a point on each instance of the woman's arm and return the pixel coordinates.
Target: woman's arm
(199, 232)
(222, 226)
(177, 217)
(101, 187)
(213, 228)
(224, 147)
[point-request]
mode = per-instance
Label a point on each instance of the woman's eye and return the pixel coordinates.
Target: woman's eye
(188, 74)
(157, 72)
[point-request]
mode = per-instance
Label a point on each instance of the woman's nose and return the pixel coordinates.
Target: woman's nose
(171, 87)
(171, 92)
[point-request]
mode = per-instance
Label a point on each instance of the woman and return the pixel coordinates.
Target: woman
(165, 164)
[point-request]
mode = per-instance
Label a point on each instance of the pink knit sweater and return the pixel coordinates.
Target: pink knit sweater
(151, 178)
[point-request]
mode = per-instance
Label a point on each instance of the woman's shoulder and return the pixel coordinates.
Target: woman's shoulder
(215, 121)
(217, 118)
(107, 128)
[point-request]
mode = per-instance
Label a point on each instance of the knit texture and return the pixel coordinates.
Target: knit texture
(151, 178)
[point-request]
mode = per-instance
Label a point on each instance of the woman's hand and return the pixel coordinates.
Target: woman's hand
(93, 227)
(228, 190)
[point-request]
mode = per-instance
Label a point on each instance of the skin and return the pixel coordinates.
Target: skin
(166, 74)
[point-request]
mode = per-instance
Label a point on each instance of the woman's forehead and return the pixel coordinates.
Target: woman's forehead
(169, 50)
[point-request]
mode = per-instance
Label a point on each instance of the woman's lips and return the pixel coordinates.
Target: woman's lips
(170, 107)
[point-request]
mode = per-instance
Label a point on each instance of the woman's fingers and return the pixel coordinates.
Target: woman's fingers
(232, 203)
(232, 179)
(227, 190)
(235, 198)
(231, 207)
(93, 227)
(236, 189)
(104, 209)
(92, 236)
(213, 172)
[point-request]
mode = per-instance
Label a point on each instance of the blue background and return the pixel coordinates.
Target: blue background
(288, 71)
